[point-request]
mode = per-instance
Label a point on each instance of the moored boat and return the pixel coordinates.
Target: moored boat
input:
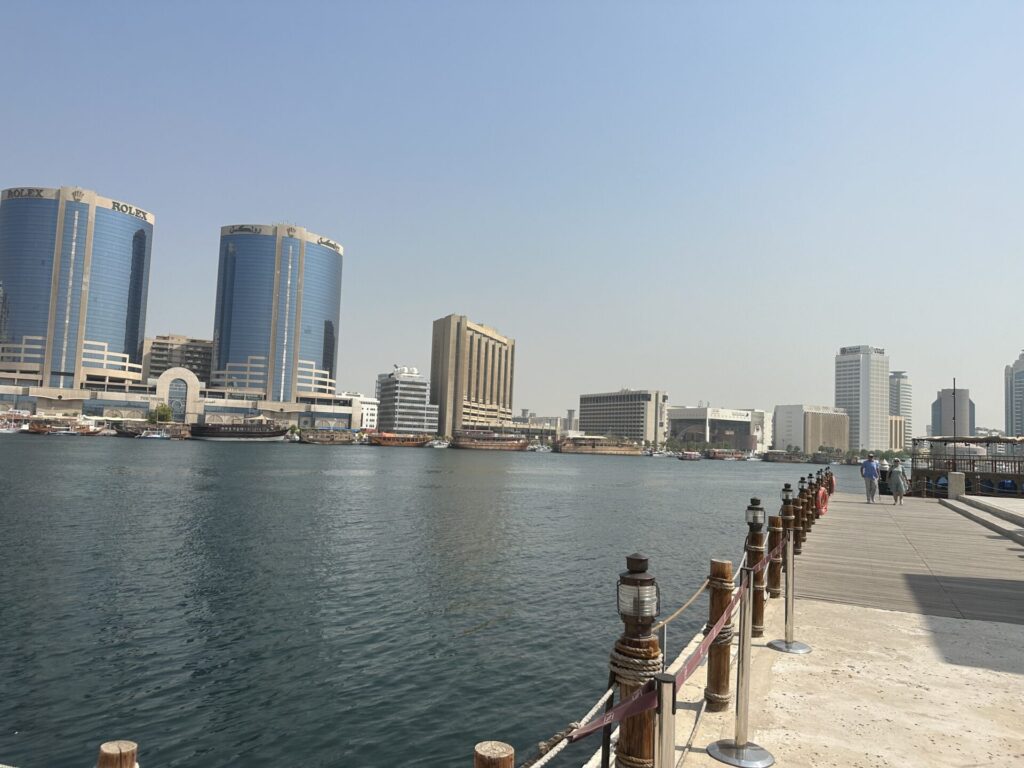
(248, 431)
(478, 439)
(393, 440)
(328, 436)
(690, 456)
(595, 444)
(153, 434)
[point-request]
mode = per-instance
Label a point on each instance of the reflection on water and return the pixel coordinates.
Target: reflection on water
(257, 602)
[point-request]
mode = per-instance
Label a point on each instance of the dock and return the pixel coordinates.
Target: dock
(915, 617)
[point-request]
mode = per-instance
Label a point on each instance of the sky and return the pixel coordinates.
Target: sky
(705, 198)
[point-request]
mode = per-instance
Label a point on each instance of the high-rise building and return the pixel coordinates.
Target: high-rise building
(897, 433)
(862, 390)
(806, 428)
(162, 352)
(405, 407)
(635, 414)
(275, 332)
(471, 374)
(1014, 394)
(950, 404)
(74, 271)
(901, 402)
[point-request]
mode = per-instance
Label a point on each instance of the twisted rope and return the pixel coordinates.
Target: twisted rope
(625, 761)
(631, 671)
(548, 749)
(687, 604)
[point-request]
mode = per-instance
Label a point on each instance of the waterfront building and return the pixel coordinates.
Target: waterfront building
(275, 333)
(472, 369)
(172, 351)
(901, 402)
(862, 391)
(365, 410)
(738, 429)
(897, 433)
(1013, 380)
(74, 273)
(807, 428)
(634, 414)
(953, 404)
(405, 407)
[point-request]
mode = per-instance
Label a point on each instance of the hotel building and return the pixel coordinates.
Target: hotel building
(471, 374)
(275, 332)
(163, 352)
(807, 428)
(953, 413)
(901, 402)
(404, 403)
(862, 390)
(74, 277)
(635, 414)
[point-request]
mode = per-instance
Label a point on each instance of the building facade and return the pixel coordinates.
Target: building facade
(901, 402)
(1013, 382)
(162, 352)
(634, 414)
(953, 413)
(74, 279)
(862, 391)
(897, 433)
(738, 429)
(404, 403)
(472, 369)
(807, 428)
(276, 320)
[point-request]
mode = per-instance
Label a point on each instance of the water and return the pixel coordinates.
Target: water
(266, 605)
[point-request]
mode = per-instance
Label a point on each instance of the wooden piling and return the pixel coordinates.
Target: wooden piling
(775, 568)
(494, 754)
(117, 754)
(720, 587)
(805, 517)
(755, 554)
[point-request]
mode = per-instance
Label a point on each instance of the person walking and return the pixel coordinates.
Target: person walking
(898, 482)
(869, 470)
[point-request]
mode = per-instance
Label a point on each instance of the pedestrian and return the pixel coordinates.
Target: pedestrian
(869, 471)
(898, 482)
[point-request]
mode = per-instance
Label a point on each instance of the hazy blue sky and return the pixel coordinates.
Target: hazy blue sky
(704, 198)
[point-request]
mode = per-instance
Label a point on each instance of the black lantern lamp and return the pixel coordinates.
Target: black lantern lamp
(786, 494)
(639, 596)
(755, 516)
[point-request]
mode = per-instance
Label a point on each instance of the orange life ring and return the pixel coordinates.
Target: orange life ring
(822, 501)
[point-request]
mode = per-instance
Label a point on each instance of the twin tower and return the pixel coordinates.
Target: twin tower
(74, 282)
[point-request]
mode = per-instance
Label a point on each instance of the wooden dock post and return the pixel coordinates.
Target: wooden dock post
(636, 657)
(775, 568)
(118, 754)
(494, 754)
(755, 547)
(720, 586)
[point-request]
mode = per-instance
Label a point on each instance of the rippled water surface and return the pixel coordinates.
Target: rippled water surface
(267, 605)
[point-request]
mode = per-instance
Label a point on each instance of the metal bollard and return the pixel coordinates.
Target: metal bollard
(663, 642)
(665, 749)
(789, 645)
(739, 751)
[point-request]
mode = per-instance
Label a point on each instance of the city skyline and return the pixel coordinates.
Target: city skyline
(679, 187)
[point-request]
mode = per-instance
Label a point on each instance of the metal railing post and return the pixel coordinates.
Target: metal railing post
(663, 641)
(665, 749)
(740, 751)
(789, 645)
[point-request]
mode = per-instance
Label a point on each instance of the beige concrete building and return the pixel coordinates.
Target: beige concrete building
(173, 351)
(471, 374)
(636, 414)
(809, 427)
(897, 433)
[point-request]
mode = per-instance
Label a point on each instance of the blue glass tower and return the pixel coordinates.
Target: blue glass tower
(275, 332)
(74, 277)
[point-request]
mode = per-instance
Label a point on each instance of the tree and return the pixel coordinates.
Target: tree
(160, 412)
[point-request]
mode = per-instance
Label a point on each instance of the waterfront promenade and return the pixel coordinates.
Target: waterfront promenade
(915, 615)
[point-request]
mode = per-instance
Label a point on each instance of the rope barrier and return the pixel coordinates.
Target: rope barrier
(687, 604)
(695, 658)
(548, 749)
(767, 559)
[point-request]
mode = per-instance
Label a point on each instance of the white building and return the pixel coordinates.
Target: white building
(404, 403)
(862, 390)
(901, 402)
(739, 429)
(364, 410)
(1014, 392)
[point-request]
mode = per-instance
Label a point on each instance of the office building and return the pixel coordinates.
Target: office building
(901, 402)
(74, 272)
(404, 403)
(275, 331)
(808, 428)
(472, 370)
(162, 352)
(634, 414)
(1013, 380)
(950, 405)
(862, 391)
(738, 429)
(897, 433)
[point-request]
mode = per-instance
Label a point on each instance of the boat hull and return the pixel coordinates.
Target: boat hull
(598, 450)
(238, 433)
(388, 440)
(326, 437)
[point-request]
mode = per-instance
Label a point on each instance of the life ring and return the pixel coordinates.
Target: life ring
(822, 501)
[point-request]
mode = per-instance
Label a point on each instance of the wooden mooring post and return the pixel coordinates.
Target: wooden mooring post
(720, 587)
(775, 568)
(494, 754)
(118, 754)
(755, 548)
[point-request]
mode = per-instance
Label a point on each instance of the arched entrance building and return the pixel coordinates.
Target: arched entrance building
(179, 388)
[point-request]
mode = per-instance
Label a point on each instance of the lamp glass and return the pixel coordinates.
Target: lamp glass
(755, 516)
(639, 602)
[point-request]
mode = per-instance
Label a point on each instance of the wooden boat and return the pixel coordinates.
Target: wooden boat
(249, 432)
(690, 456)
(597, 445)
(328, 436)
(393, 440)
(488, 441)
